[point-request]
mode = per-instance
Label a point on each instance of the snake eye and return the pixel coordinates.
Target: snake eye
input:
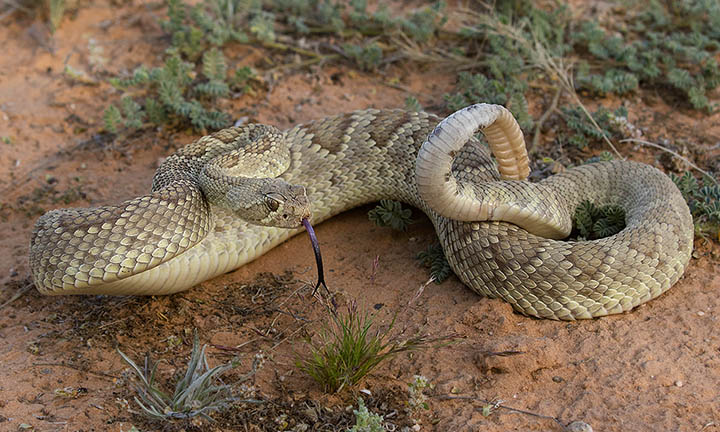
(272, 203)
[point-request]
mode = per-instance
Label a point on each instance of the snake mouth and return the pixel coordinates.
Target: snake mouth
(318, 255)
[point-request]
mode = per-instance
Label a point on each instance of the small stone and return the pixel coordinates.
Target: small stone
(701, 313)
(557, 379)
(579, 426)
(678, 383)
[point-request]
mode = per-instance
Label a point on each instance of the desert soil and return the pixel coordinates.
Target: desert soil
(656, 368)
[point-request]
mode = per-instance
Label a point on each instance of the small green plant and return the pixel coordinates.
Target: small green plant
(367, 57)
(585, 132)
(194, 75)
(349, 346)
(605, 156)
(412, 104)
(175, 94)
(434, 258)
(310, 16)
(703, 198)
(417, 400)
(391, 214)
(242, 78)
(593, 222)
(198, 393)
(366, 420)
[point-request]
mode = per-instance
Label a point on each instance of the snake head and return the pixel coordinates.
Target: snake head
(271, 202)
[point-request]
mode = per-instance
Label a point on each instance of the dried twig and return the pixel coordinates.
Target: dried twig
(542, 119)
(499, 404)
(18, 294)
(667, 150)
(420, 290)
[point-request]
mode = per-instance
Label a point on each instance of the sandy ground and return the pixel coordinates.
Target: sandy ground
(656, 368)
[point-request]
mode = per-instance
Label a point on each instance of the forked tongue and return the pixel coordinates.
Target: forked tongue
(318, 255)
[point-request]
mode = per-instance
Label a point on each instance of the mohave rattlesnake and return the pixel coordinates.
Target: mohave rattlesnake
(196, 222)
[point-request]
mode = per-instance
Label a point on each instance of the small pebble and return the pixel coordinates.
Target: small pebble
(579, 426)
(557, 379)
(678, 383)
(701, 313)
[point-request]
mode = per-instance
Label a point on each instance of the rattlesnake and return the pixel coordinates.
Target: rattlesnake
(188, 228)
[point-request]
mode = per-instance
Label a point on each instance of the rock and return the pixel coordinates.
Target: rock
(579, 426)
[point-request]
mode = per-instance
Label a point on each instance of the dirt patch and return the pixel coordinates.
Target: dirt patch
(656, 368)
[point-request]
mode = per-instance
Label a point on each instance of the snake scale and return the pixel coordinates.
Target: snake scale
(212, 201)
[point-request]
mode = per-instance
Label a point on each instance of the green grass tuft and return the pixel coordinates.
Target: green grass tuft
(350, 345)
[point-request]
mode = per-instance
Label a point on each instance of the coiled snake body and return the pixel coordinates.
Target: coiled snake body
(188, 228)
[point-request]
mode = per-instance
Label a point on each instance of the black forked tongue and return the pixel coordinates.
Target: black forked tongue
(318, 256)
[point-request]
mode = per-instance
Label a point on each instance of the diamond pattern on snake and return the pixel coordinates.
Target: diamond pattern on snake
(231, 196)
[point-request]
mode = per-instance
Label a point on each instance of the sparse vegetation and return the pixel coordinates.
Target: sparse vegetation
(195, 72)
(504, 52)
(669, 44)
(186, 90)
(198, 393)
(177, 97)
